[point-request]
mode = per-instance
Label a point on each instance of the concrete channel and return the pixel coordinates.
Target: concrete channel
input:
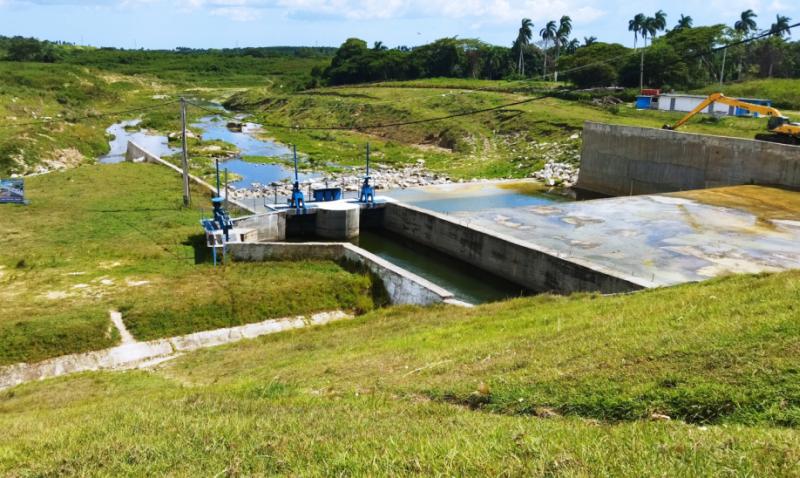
(131, 354)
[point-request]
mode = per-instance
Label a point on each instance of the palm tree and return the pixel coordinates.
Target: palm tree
(649, 29)
(746, 23)
(547, 33)
(562, 37)
(650, 26)
(684, 22)
(589, 41)
(572, 46)
(635, 26)
(524, 36)
(778, 30)
(781, 26)
(743, 27)
(659, 22)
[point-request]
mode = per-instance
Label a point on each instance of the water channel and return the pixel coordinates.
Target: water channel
(467, 283)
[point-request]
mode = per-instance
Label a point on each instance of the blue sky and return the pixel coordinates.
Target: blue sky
(228, 23)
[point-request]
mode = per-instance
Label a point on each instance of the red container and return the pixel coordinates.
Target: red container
(651, 92)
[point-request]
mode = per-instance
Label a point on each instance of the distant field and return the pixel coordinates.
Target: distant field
(205, 69)
(548, 386)
(116, 237)
(785, 93)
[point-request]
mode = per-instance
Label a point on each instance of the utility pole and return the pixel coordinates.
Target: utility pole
(641, 73)
(185, 156)
(722, 73)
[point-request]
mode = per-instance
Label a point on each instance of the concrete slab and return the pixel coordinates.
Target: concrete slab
(664, 239)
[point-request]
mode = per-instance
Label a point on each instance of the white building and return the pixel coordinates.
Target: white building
(686, 103)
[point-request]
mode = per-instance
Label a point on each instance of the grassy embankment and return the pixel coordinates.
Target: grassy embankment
(509, 142)
(539, 387)
(115, 236)
(33, 92)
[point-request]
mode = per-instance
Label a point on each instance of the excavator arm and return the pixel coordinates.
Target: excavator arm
(720, 98)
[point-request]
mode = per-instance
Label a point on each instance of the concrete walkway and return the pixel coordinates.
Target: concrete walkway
(132, 354)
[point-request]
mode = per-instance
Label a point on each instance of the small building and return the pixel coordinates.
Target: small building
(686, 103)
(646, 102)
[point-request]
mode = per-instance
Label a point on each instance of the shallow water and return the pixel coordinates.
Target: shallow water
(467, 283)
(469, 197)
(215, 128)
(156, 144)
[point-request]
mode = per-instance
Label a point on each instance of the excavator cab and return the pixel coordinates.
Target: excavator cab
(776, 122)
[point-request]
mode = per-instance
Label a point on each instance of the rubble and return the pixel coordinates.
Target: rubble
(382, 178)
(557, 174)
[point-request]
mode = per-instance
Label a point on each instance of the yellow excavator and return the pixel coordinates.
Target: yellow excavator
(781, 129)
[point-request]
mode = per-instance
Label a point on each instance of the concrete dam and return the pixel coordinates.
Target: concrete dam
(686, 208)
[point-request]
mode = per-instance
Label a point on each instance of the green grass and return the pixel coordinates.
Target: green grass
(569, 384)
(117, 237)
(206, 69)
(784, 92)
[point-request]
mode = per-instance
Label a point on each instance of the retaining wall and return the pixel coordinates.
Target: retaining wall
(402, 286)
(625, 160)
(536, 268)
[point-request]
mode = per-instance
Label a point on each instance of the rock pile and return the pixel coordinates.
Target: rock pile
(382, 178)
(557, 174)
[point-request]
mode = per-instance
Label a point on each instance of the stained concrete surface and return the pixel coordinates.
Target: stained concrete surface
(665, 239)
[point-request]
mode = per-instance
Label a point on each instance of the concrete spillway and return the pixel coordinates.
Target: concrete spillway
(664, 239)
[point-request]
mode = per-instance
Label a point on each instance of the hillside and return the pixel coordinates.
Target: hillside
(105, 237)
(577, 386)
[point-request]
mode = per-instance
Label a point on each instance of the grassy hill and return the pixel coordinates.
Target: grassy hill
(576, 386)
(106, 237)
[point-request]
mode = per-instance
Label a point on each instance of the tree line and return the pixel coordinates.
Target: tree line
(683, 56)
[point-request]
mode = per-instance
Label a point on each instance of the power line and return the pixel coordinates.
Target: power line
(386, 125)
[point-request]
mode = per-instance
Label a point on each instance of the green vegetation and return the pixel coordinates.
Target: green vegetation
(35, 92)
(543, 386)
(106, 237)
(509, 142)
(283, 68)
(785, 93)
(683, 57)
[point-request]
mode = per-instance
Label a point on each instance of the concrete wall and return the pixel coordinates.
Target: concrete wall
(625, 160)
(535, 268)
(136, 153)
(269, 227)
(402, 286)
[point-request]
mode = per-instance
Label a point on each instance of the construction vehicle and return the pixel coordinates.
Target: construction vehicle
(781, 129)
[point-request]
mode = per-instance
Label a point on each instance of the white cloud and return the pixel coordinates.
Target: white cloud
(484, 11)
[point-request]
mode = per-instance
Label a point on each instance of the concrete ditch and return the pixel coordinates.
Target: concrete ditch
(131, 354)
(402, 286)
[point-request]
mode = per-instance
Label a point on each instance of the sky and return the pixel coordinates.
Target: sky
(231, 23)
